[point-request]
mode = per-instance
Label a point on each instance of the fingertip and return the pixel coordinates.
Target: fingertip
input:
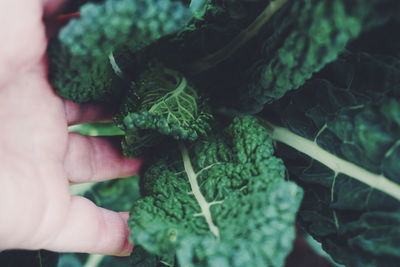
(131, 166)
(128, 246)
(92, 229)
(124, 215)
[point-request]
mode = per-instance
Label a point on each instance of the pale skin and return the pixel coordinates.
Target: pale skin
(39, 159)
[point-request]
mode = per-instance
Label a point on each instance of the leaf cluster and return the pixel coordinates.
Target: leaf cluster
(82, 62)
(323, 77)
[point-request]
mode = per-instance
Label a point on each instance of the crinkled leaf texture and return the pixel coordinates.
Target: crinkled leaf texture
(104, 26)
(82, 63)
(220, 202)
(161, 102)
(351, 109)
(302, 39)
(81, 78)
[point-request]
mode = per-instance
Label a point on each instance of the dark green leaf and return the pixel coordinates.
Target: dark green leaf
(350, 109)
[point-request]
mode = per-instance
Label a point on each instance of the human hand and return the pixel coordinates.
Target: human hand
(39, 158)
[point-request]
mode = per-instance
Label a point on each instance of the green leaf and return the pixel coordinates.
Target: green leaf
(310, 34)
(81, 78)
(103, 26)
(116, 195)
(162, 102)
(349, 114)
(223, 202)
(82, 62)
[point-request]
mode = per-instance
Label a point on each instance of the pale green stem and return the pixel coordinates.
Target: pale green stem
(241, 39)
(93, 260)
(338, 165)
(204, 205)
(115, 66)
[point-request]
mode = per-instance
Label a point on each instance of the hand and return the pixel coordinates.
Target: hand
(39, 158)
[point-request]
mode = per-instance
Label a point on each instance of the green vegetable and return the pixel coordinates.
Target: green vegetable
(350, 116)
(82, 63)
(104, 26)
(81, 78)
(162, 101)
(312, 34)
(223, 202)
(117, 195)
(220, 187)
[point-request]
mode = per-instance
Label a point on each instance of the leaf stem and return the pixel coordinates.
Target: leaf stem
(114, 65)
(204, 205)
(338, 165)
(241, 39)
(93, 260)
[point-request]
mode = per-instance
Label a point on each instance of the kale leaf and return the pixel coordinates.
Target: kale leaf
(104, 26)
(351, 110)
(162, 101)
(82, 62)
(81, 78)
(304, 38)
(224, 202)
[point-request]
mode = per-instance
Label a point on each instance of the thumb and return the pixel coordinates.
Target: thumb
(91, 229)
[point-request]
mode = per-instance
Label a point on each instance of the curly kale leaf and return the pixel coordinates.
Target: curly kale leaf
(351, 110)
(224, 202)
(268, 48)
(137, 143)
(306, 36)
(162, 102)
(81, 78)
(82, 59)
(105, 26)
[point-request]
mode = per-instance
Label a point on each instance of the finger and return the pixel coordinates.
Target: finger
(23, 40)
(91, 229)
(81, 113)
(92, 159)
